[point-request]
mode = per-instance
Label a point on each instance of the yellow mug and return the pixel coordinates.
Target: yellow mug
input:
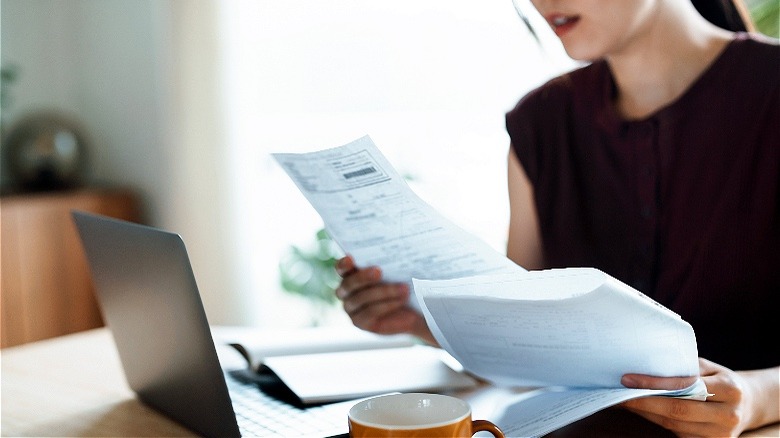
(416, 415)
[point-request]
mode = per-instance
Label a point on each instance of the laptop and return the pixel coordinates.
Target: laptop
(150, 301)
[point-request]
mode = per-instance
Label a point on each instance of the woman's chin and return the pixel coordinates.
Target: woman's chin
(581, 53)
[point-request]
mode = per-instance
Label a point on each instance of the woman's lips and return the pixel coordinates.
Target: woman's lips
(562, 24)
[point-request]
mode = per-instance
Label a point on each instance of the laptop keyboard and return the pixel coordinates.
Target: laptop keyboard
(260, 415)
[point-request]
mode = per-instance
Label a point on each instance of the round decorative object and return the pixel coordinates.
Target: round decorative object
(46, 151)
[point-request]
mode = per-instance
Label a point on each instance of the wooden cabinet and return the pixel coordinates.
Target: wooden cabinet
(45, 285)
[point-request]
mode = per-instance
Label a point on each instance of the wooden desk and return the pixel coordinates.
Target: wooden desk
(74, 386)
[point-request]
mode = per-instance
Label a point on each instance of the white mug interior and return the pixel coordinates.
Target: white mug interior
(409, 411)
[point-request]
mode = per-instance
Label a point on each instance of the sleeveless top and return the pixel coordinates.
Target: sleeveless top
(683, 205)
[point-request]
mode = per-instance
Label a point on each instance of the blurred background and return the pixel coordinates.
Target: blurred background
(169, 110)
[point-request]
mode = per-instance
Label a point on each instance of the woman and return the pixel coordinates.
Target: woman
(658, 163)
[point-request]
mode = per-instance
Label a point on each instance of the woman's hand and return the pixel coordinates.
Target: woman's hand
(742, 400)
(377, 306)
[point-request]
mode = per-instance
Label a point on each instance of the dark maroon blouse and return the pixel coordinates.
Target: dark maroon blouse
(683, 205)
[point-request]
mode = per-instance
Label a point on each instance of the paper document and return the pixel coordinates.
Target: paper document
(528, 330)
(549, 409)
(573, 331)
(373, 215)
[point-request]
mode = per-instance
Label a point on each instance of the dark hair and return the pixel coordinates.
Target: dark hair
(727, 14)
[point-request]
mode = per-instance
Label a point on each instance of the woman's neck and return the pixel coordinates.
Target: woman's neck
(664, 60)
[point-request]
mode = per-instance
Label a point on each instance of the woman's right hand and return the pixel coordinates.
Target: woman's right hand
(377, 306)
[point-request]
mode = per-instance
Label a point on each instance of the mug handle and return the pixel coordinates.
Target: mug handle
(486, 426)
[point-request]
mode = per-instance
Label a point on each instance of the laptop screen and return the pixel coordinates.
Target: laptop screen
(150, 301)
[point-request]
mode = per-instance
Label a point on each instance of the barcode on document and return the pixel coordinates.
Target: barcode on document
(360, 172)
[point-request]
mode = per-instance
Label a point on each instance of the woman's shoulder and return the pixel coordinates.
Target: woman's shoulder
(747, 71)
(755, 41)
(584, 83)
(757, 52)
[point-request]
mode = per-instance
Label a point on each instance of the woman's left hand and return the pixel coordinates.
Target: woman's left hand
(733, 408)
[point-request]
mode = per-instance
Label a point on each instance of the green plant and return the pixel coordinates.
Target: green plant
(310, 272)
(766, 16)
(7, 76)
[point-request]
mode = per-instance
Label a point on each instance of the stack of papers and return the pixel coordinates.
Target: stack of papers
(570, 332)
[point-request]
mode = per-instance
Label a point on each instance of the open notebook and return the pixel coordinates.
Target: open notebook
(328, 364)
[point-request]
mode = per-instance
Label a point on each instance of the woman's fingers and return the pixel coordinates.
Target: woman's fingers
(643, 381)
(371, 304)
(376, 298)
(389, 317)
(345, 266)
(357, 280)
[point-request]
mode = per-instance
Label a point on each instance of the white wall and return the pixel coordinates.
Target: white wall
(98, 61)
(139, 76)
(184, 99)
(429, 81)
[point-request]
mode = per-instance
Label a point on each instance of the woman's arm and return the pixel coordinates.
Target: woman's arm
(524, 244)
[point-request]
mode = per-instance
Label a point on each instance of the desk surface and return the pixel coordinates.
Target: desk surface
(74, 386)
